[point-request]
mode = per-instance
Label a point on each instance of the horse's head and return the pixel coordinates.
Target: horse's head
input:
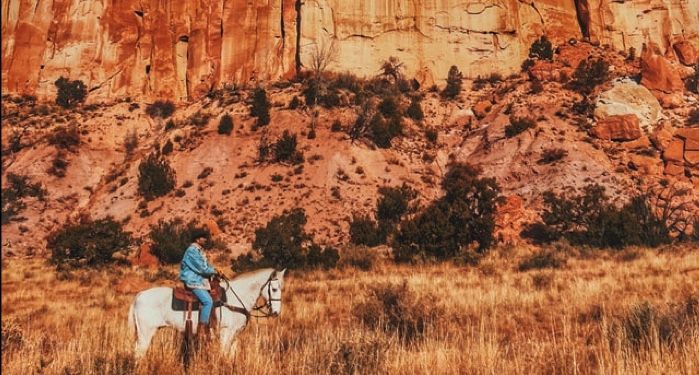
(272, 292)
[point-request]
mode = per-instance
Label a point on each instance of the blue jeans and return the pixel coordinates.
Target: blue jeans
(206, 304)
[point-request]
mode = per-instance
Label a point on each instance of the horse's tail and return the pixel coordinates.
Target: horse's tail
(133, 321)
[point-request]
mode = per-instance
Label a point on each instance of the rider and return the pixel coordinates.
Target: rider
(194, 272)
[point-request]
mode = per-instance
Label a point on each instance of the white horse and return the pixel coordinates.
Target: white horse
(152, 308)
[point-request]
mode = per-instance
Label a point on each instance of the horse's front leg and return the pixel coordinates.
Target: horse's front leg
(227, 342)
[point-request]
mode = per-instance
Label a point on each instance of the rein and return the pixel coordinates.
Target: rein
(244, 310)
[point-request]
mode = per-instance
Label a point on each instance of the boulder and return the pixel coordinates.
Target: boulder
(641, 143)
(686, 53)
(691, 145)
(425, 77)
(646, 164)
(674, 151)
(692, 157)
(627, 97)
(482, 108)
(461, 118)
(618, 128)
(688, 134)
(662, 136)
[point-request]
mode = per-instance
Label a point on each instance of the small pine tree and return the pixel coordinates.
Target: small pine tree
(225, 126)
(589, 74)
(70, 92)
(454, 80)
(260, 106)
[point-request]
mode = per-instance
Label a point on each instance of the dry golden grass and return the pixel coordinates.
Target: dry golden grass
(492, 319)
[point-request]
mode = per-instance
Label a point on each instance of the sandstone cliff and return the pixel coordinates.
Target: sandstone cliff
(181, 49)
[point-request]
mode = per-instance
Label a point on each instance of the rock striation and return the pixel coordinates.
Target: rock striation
(182, 49)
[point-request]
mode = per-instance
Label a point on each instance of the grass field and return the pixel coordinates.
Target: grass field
(635, 312)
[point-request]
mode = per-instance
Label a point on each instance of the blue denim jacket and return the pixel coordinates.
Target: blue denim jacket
(194, 267)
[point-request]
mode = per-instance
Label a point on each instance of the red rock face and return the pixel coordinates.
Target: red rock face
(182, 49)
(618, 128)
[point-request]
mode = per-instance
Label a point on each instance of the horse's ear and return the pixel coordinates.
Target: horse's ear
(281, 273)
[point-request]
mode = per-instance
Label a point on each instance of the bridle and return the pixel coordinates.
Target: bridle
(249, 312)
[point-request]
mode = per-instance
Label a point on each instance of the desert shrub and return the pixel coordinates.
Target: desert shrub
(69, 92)
(317, 257)
(160, 108)
(394, 202)
(336, 126)
(542, 259)
(589, 74)
(414, 111)
(527, 64)
(551, 155)
(454, 81)
(281, 242)
(536, 87)
(518, 125)
(449, 226)
(330, 100)
(59, 165)
(294, 103)
(382, 131)
(17, 188)
(260, 106)
(389, 107)
(392, 70)
(155, 177)
(365, 231)
(397, 308)
(360, 257)
(360, 355)
(541, 49)
(167, 148)
(432, 135)
(200, 119)
(130, 142)
(171, 238)
(66, 138)
(693, 117)
(90, 242)
(285, 149)
(591, 218)
(205, 173)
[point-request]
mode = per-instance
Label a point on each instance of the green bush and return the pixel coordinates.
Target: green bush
(316, 257)
(17, 188)
(448, 226)
(281, 241)
(591, 218)
(69, 92)
(171, 238)
(454, 81)
(260, 106)
(160, 108)
(518, 125)
(66, 138)
(414, 111)
(225, 126)
(541, 49)
(91, 242)
(365, 231)
(589, 74)
(394, 202)
(155, 178)
(285, 149)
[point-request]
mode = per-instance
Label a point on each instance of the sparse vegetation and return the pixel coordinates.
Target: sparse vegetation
(89, 243)
(552, 155)
(59, 165)
(260, 106)
(160, 108)
(454, 80)
(414, 111)
(541, 49)
(66, 138)
(130, 142)
(285, 149)
(69, 93)
(18, 188)
(365, 231)
(155, 178)
(518, 125)
(589, 74)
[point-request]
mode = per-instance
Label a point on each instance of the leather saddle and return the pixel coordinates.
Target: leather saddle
(183, 299)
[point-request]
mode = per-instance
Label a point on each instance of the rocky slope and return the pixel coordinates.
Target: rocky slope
(182, 49)
(637, 135)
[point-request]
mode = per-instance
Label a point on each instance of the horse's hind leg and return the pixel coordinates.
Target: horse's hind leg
(228, 344)
(145, 336)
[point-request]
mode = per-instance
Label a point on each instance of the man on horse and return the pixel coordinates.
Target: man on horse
(195, 271)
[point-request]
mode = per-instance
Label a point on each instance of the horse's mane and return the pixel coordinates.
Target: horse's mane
(252, 274)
